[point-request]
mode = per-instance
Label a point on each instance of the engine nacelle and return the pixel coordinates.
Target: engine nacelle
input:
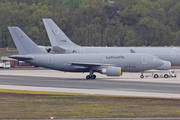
(112, 71)
(165, 66)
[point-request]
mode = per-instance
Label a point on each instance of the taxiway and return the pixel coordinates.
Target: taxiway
(54, 81)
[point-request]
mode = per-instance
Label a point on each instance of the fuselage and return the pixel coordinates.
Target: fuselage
(129, 62)
(164, 53)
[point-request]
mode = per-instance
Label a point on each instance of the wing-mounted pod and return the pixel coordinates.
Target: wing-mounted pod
(112, 71)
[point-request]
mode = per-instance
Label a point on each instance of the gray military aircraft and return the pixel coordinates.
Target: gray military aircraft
(111, 64)
(60, 42)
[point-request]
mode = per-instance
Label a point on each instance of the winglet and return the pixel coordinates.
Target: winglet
(23, 43)
(56, 35)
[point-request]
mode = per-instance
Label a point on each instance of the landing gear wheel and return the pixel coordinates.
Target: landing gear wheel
(93, 77)
(141, 76)
(156, 76)
(88, 77)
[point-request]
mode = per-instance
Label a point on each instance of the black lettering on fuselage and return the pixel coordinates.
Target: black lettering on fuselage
(114, 57)
(130, 66)
(63, 41)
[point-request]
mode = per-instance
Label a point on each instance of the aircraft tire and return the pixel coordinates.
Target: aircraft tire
(141, 76)
(93, 77)
(88, 77)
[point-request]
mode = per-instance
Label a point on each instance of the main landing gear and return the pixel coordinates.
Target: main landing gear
(91, 76)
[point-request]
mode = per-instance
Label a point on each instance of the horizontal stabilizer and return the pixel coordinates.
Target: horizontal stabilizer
(58, 50)
(21, 57)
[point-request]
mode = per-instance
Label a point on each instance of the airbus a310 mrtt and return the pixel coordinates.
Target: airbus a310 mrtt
(62, 44)
(111, 64)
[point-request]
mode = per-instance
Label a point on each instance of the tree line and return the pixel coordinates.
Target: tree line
(95, 22)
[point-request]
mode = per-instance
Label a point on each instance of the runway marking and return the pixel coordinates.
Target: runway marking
(93, 82)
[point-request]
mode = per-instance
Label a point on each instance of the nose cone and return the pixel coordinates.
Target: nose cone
(166, 65)
(155, 62)
(158, 62)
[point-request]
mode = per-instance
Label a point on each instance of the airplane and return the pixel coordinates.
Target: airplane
(59, 40)
(110, 64)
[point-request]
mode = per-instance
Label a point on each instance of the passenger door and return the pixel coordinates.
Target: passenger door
(144, 60)
(50, 60)
(173, 54)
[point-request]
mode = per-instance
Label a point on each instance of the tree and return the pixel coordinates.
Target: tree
(161, 34)
(145, 32)
(94, 22)
(174, 20)
(133, 39)
(37, 12)
(72, 3)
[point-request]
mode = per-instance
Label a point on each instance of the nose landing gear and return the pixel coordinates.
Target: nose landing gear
(141, 76)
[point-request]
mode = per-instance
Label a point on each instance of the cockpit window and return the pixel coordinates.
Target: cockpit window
(155, 59)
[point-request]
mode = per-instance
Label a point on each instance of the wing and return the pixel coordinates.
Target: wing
(21, 57)
(91, 65)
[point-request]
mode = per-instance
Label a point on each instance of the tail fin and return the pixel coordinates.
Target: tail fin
(56, 35)
(23, 43)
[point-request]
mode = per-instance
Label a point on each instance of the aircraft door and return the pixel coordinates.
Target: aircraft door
(173, 54)
(50, 60)
(144, 60)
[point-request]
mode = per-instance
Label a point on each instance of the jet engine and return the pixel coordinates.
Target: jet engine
(165, 66)
(112, 71)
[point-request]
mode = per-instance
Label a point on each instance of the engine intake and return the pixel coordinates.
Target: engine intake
(112, 71)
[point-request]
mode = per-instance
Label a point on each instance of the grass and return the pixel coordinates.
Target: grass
(16, 104)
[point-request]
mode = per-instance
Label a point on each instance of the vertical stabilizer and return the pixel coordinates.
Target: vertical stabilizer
(23, 43)
(56, 35)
